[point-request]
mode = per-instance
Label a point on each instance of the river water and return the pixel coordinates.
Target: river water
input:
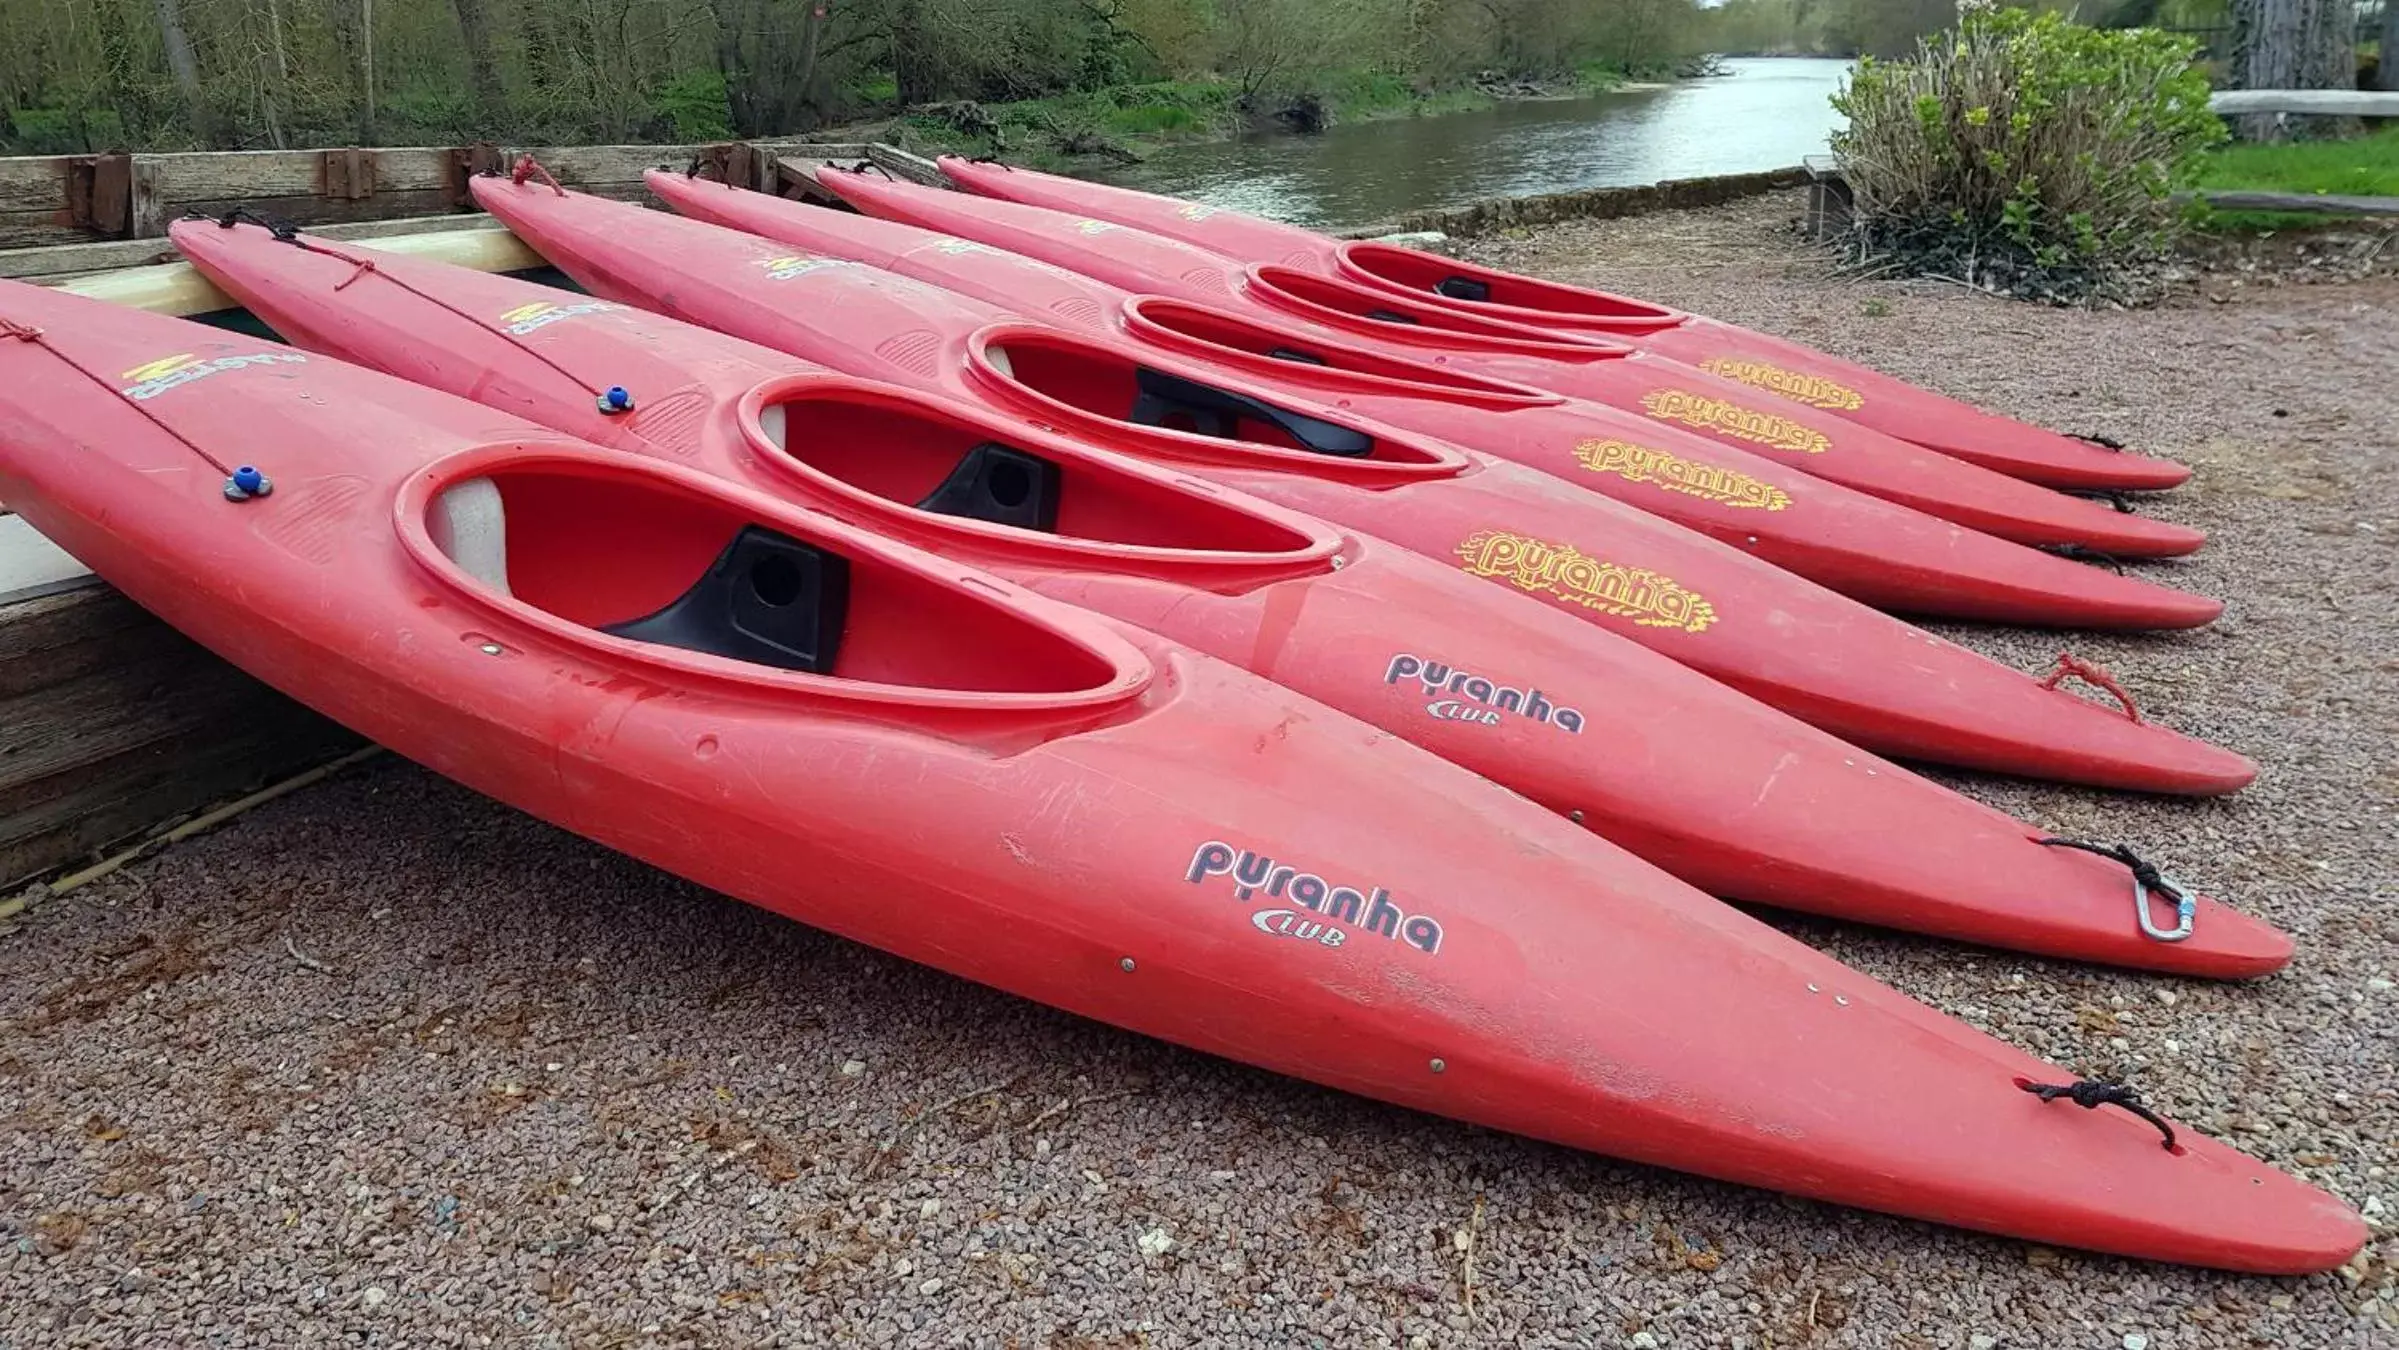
(1766, 114)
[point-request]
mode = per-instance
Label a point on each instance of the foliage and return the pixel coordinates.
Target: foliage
(80, 75)
(2024, 152)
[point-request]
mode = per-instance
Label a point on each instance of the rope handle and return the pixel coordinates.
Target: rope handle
(2071, 666)
(529, 167)
(22, 332)
(2090, 1094)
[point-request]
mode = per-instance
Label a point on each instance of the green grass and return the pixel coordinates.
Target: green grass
(2364, 166)
(1365, 95)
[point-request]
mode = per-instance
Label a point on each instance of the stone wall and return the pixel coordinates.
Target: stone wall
(1605, 203)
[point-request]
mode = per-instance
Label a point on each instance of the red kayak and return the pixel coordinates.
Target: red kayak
(923, 757)
(1865, 676)
(1661, 393)
(1868, 549)
(1800, 374)
(1774, 811)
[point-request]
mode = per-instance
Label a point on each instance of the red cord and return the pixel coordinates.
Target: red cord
(2068, 664)
(360, 267)
(10, 328)
(527, 167)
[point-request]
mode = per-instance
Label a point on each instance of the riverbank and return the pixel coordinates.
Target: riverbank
(1123, 124)
(458, 1076)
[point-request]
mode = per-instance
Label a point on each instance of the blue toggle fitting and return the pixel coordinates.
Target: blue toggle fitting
(617, 400)
(247, 482)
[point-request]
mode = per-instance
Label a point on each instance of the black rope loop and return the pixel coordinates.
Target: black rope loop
(2094, 438)
(2143, 871)
(2083, 553)
(283, 230)
(2120, 501)
(2146, 878)
(2090, 1094)
(863, 165)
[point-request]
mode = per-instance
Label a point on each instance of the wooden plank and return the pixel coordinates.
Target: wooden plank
(124, 705)
(2297, 201)
(601, 168)
(597, 168)
(2307, 102)
(150, 208)
(241, 175)
(111, 722)
(55, 639)
(168, 288)
(177, 288)
(312, 211)
(144, 791)
(408, 181)
(915, 168)
(66, 260)
(37, 229)
(34, 181)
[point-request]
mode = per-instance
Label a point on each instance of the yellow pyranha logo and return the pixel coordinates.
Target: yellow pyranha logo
(165, 365)
(1812, 389)
(152, 378)
(1749, 424)
(1564, 571)
(526, 320)
(1641, 464)
(791, 265)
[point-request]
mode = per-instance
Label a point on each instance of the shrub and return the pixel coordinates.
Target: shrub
(2025, 153)
(693, 107)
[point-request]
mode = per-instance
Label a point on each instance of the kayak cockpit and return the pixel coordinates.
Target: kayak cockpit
(616, 549)
(1340, 302)
(1100, 382)
(1215, 335)
(919, 455)
(1414, 270)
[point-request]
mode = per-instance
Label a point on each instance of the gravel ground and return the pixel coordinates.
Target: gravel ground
(390, 1063)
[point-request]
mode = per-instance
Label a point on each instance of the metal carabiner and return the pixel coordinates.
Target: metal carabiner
(2186, 907)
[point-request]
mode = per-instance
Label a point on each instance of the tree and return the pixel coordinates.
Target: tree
(2291, 44)
(483, 73)
(2386, 63)
(770, 63)
(353, 24)
(181, 64)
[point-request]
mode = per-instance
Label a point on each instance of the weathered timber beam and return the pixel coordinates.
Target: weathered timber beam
(39, 199)
(2309, 102)
(179, 289)
(65, 261)
(2325, 204)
